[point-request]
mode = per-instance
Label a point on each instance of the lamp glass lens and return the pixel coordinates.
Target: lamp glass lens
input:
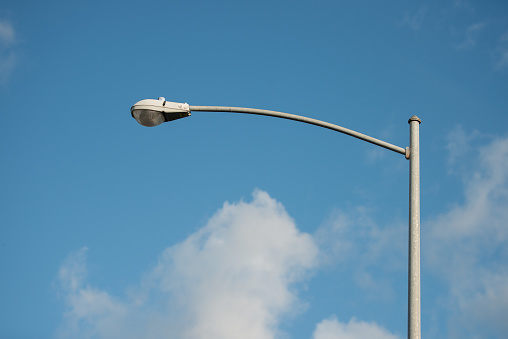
(147, 117)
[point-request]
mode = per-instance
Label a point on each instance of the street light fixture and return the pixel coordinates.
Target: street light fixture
(154, 112)
(151, 112)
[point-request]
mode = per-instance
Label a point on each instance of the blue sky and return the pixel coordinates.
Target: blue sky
(236, 226)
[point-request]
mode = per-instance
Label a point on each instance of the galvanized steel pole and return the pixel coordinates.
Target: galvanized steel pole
(414, 300)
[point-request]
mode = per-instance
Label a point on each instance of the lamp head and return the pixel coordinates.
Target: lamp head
(151, 112)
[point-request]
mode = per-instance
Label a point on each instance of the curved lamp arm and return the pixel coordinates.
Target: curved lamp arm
(301, 119)
(154, 112)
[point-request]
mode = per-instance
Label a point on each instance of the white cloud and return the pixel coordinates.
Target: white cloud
(72, 274)
(467, 246)
(333, 329)
(237, 277)
(8, 57)
(234, 278)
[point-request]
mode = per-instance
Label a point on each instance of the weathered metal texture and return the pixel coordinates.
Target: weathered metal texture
(414, 298)
(301, 119)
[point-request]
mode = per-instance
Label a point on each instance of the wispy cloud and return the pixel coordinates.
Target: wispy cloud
(355, 237)
(467, 245)
(8, 57)
(460, 148)
(415, 20)
(471, 36)
(464, 4)
(7, 35)
(501, 52)
(88, 308)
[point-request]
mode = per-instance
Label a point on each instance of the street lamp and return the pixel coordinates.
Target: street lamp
(154, 112)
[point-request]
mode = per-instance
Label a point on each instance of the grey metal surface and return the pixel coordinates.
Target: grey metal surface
(301, 119)
(414, 298)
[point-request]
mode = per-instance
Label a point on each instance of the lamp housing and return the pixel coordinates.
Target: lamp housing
(150, 112)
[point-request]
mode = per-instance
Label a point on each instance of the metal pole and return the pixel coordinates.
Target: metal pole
(414, 299)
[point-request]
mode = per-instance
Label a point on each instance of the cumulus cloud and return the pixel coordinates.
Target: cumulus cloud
(467, 246)
(333, 329)
(8, 57)
(237, 277)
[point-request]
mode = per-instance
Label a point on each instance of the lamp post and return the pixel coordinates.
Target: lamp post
(151, 113)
